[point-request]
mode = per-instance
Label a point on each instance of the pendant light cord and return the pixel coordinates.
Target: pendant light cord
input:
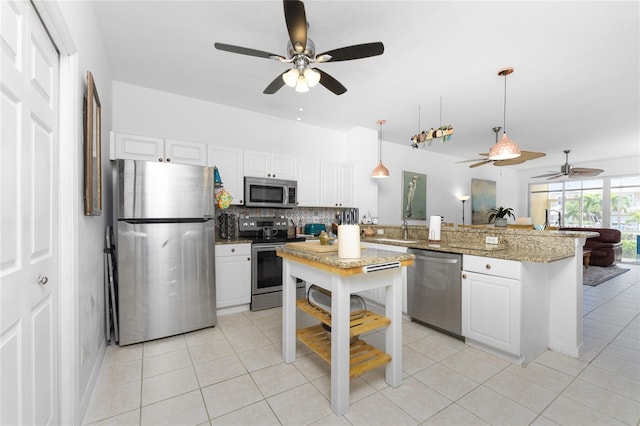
(380, 143)
(504, 116)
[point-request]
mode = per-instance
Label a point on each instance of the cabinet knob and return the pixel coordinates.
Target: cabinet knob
(42, 279)
(487, 266)
(233, 250)
(160, 159)
(464, 276)
(168, 159)
(249, 259)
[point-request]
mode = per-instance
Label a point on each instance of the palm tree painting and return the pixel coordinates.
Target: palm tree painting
(414, 196)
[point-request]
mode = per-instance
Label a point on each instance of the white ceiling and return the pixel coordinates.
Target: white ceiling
(575, 85)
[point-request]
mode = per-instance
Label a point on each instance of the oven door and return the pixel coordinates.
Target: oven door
(266, 268)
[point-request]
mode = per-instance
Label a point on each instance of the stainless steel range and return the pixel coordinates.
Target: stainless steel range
(266, 234)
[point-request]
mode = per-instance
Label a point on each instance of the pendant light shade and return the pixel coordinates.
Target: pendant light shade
(380, 171)
(505, 149)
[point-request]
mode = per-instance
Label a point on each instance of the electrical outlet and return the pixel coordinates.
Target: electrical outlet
(491, 240)
(380, 231)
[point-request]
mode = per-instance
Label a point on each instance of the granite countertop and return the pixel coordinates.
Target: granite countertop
(500, 251)
(331, 259)
(220, 241)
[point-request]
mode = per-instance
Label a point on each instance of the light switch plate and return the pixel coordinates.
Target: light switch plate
(491, 240)
(380, 231)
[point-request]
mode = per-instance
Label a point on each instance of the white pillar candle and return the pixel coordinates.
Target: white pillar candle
(349, 241)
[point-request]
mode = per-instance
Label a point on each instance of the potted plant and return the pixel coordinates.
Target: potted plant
(500, 214)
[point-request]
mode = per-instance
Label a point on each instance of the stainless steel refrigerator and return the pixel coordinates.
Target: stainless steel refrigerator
(165, 249)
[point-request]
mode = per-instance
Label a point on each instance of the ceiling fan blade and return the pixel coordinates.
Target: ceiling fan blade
(482, 163)
(349, 53)
(584, 171)
(471, 161)
(247, 51)
(547, 175)
(557, 175)
(275, 85)
(331, 83)
(510, 162)
(296, 24)
(531, 155)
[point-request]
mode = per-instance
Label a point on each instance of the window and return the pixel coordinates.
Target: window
(595, 203)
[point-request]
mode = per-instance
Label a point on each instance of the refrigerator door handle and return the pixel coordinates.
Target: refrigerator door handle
(152, 221)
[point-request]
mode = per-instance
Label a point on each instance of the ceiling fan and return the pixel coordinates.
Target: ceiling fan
(301, 53)
(568, 170)
(524, 156)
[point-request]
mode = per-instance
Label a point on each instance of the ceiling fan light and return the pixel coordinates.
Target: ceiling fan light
(312, 76)
(301, 85)
(380, 171)
(291, 77)
(506, 149)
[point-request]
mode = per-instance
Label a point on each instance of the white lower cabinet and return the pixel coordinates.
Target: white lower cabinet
(377, 295)
(503, 310)
(491, 310)
(233, 275)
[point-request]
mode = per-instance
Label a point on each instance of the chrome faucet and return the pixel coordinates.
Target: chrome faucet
(405, 229)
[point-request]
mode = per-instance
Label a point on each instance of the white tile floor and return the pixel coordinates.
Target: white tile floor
(233, 374)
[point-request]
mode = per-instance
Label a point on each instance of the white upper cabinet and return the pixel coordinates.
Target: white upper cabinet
(185, 152)
(264, 164)
(133, 147)
(230, 164)
(337, 184)
(308, 177)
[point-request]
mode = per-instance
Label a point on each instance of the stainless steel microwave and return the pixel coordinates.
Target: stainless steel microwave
(275, 193)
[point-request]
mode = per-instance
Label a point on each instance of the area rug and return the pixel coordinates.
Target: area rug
(594, 275)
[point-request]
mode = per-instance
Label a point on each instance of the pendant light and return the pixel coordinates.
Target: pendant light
(380, 171)
(505, 149)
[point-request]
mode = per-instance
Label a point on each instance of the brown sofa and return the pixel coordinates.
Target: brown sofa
(606, 250)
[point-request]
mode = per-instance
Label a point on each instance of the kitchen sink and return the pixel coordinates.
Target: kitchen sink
(395, 240)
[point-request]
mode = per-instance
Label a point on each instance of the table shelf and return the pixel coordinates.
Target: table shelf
(368, 322)
(362, 356)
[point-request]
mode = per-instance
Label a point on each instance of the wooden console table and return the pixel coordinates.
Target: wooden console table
(376, 268)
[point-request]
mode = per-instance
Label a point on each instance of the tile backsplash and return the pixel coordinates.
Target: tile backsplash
(300, 215)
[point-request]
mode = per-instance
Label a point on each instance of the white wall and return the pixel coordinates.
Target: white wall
(445, 181)
(141, 111)
(87, 231)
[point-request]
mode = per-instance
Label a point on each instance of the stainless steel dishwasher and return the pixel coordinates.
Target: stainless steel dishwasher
(434, 288)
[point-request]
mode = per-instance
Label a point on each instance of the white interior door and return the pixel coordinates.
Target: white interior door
(29, 364)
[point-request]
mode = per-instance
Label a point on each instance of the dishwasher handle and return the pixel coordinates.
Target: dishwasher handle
(437, 259)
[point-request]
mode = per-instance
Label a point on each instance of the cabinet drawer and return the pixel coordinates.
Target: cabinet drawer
(233, 250)
(489, 266)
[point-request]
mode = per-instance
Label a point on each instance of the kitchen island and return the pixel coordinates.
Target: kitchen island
(548, 268)
(342, 277)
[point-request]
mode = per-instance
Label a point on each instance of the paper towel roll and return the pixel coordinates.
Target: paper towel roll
(349, 241)
(435, 222)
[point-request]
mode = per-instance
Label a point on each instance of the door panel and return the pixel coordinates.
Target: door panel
(29, 227)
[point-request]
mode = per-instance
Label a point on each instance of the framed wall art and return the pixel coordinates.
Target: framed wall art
(414, 196)
(483, 198)
(92, 160)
